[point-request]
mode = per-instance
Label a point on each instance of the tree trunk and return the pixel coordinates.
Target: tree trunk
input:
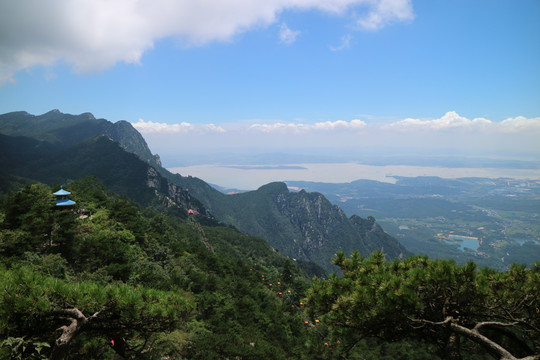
(120, 347)
(474, 334)
(78, 321)
(496, 349)
(453, 351)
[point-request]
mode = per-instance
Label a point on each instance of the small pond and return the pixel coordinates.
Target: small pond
(463, 242)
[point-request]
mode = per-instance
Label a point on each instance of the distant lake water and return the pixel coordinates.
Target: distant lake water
(252, 177)
(464, 242)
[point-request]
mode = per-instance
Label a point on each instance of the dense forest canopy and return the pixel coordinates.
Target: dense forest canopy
(118, 280)
(121, 279)
(431, 300)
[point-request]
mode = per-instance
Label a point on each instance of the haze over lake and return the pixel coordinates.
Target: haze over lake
(253, 176)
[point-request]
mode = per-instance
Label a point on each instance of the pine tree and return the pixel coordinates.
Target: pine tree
(423, 299)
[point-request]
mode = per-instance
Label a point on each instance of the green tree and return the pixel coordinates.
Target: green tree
(28, 215)
(105, 243)
(436, 300)
(30, 209)
(63, 233)
(114, 275)
(55, 311)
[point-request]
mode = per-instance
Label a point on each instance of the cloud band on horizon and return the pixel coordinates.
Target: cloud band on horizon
(449, 121)
(449, 134)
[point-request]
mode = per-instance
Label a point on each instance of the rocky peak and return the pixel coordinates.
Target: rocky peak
(88, 115)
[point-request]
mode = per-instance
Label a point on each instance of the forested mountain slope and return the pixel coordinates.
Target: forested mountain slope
(65, 130)
(65, 147)
(145, 280)
(138, 283)
(300, 224)
(491, 221)
(99, 156)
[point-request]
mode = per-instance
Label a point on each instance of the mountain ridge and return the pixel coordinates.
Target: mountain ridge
(301, 225)
(65, 130)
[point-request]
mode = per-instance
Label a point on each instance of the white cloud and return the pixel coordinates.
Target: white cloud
(147, 127)
(448, 135)
(286, 35)
(279, 126)
(345, 43)
(448, 123)
(520, 124)
(332, 125)
(387, 11)
(96, 34)
(151, 127)
(301, 127)
(453, 121)
(214, 128)
(450, 120)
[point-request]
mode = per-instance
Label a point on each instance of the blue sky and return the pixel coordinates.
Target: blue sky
(246, 74)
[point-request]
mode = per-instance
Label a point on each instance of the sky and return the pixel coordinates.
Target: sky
(208, 80)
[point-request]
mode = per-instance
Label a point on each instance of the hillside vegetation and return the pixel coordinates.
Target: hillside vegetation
(55, 148)
(302, 225)
(118, 278)
(432, 216)
(150, 265)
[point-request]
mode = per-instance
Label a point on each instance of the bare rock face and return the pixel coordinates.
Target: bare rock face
(157, 159)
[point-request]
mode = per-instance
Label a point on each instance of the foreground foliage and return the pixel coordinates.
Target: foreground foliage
(33, 304)
(120, 279)
(454, 307)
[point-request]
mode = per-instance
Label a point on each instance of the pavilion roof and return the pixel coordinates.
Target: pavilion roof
(65, 202)
(61, 192)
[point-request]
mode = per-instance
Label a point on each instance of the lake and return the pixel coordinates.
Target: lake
(464, 242)
(253, 176)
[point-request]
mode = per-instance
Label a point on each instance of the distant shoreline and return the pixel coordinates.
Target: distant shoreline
(251, 177)
(265, 167)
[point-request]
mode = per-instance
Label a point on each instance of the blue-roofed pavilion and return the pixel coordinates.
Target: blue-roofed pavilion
(62, 198)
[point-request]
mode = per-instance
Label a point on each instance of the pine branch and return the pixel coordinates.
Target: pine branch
(77, 321)
(492, 323)
(474, 335)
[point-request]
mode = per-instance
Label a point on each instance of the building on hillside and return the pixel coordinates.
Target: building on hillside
(62, 199)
